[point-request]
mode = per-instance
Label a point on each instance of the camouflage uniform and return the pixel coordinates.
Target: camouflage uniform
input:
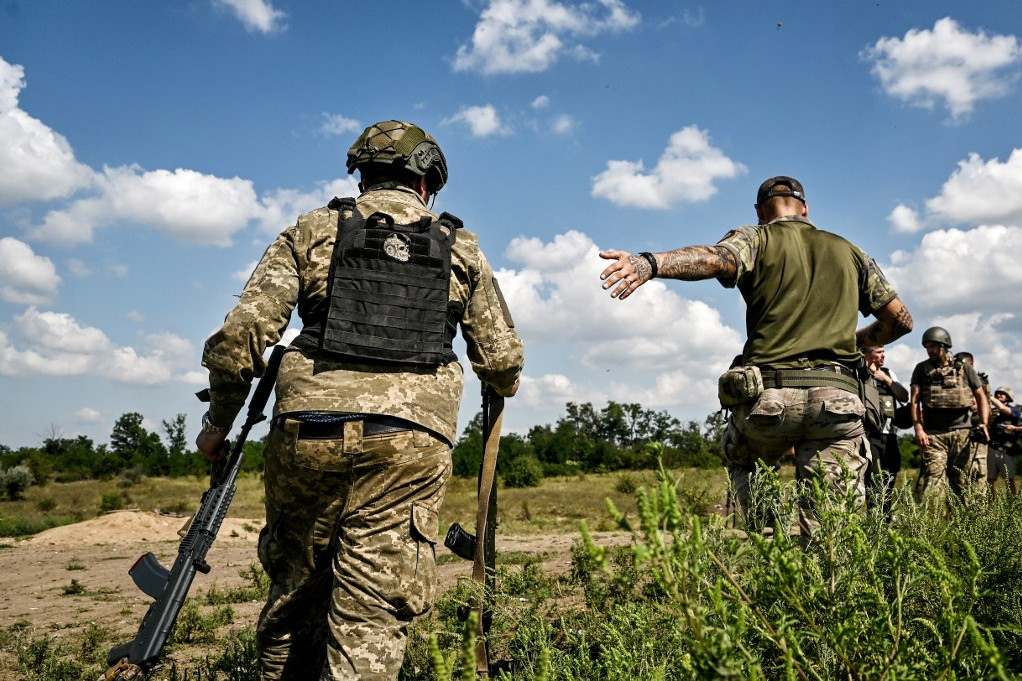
(351, 522)
(950, 459)
(805, 319)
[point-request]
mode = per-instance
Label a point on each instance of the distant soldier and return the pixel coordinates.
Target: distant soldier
(943, 393)
(978, 456)
(1004, 431)
(886, 463)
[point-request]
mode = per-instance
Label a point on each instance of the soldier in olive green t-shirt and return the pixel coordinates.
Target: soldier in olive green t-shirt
(804, 289)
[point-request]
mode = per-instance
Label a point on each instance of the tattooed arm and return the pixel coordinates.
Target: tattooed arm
(893, 321)
(628, 271)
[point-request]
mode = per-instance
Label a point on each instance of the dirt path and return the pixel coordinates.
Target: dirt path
(66, 580)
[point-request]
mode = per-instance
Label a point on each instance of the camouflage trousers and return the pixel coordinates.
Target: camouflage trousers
(822, 426)
(349, 546)
(952, 460)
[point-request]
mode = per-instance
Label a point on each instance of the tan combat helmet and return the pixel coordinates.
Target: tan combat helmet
(397, 144)
(1007, 391)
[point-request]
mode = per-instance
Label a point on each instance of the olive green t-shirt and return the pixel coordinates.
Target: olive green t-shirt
(803, 288)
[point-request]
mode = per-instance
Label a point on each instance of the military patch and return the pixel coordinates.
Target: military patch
(397, 247)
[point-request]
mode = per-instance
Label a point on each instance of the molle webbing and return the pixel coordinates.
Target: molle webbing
(388, 290)
(807, 378)
(945, 387)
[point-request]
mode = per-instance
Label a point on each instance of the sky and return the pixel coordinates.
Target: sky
(149, 152)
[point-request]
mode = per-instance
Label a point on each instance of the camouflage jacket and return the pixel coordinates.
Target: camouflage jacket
(293, 274)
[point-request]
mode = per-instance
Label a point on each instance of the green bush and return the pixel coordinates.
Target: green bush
(524, 471)
(14, 481)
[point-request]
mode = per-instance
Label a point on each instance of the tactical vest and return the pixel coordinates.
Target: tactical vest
(388, 291)
(887, 402)
(945, 387)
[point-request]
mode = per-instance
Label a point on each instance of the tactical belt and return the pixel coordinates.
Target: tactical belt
(330, 425)
(817, 377)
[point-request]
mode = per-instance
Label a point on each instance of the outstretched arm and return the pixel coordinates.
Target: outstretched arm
(692, 263)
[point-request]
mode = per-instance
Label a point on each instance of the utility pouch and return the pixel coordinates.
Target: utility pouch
(870, 396)
(739, 385)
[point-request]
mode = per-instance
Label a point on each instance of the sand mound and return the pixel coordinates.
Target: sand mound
(132, 526)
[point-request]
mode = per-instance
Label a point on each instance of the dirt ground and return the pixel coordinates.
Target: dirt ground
(91, 560)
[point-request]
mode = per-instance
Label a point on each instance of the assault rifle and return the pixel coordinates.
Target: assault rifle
(131, 661)
(481, 548)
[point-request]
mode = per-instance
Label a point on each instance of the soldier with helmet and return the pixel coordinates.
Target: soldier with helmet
(943, 391)
(1004, 430)
(359, 452)
(795, 384)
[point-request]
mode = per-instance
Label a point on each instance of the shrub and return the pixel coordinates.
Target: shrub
(524, 471)
(15, 480)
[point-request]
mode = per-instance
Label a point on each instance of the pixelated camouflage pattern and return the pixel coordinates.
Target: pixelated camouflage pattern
(952, 461)
(823, 425)
(293, 274)
(349, 546)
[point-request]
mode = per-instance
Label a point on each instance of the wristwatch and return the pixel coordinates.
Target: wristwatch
(208, 427)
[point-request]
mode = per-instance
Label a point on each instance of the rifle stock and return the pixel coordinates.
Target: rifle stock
(169, 588)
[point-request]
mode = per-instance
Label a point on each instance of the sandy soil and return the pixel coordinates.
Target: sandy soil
(35, 574)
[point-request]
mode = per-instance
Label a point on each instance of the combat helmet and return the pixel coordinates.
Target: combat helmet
(1007, 391)
(937, 334)
(398, 144)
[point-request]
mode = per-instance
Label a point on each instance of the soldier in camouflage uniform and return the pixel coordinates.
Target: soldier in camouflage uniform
(358, 455)
(803, 289)
(944, 391)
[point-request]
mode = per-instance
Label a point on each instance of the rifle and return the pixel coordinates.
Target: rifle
(481, 548)
(131, 661)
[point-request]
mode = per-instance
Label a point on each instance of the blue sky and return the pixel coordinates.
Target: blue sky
(150, 151)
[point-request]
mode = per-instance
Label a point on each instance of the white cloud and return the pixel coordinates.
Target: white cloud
(945, 64)
(685, 173)
(281, 207)
(563, 124)
(527, 36)
(541, 102)
(256, 15)
(905, 220)
(78, 268)
(335, 124)
(482, 121)
(954, 269)
(25, 278)
(184, 204)
(56, 344)
(88, 415)
(977, 192)
(38, 164)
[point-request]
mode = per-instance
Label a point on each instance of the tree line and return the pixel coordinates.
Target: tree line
(586, 439)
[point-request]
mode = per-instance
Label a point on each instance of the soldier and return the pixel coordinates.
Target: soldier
(796, 385)
(978, 456)
(883, 440)
(358, 455)
(943, 392)
(1004, 427)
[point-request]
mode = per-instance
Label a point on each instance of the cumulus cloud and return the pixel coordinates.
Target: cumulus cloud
(184, 204)
(56, 344)
(335, 124)
(685, 173)
(88, 415)
(482, 121)
(615, 341)
(257, 16)
(528, 36)
(977, 192)
(541, 102)
(25, 277)
(281, 207)
(38, 164)
(954, 268)
(563, 124)
(947, 64)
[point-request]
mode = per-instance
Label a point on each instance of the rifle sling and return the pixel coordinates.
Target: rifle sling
(493, 417)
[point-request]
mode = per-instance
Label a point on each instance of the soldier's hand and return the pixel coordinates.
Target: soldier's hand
(627, 273)
(214, 446)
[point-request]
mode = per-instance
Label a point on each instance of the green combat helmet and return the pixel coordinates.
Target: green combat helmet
(398, 144)
(937, 334)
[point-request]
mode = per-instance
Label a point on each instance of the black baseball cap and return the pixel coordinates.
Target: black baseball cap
(782, 185)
